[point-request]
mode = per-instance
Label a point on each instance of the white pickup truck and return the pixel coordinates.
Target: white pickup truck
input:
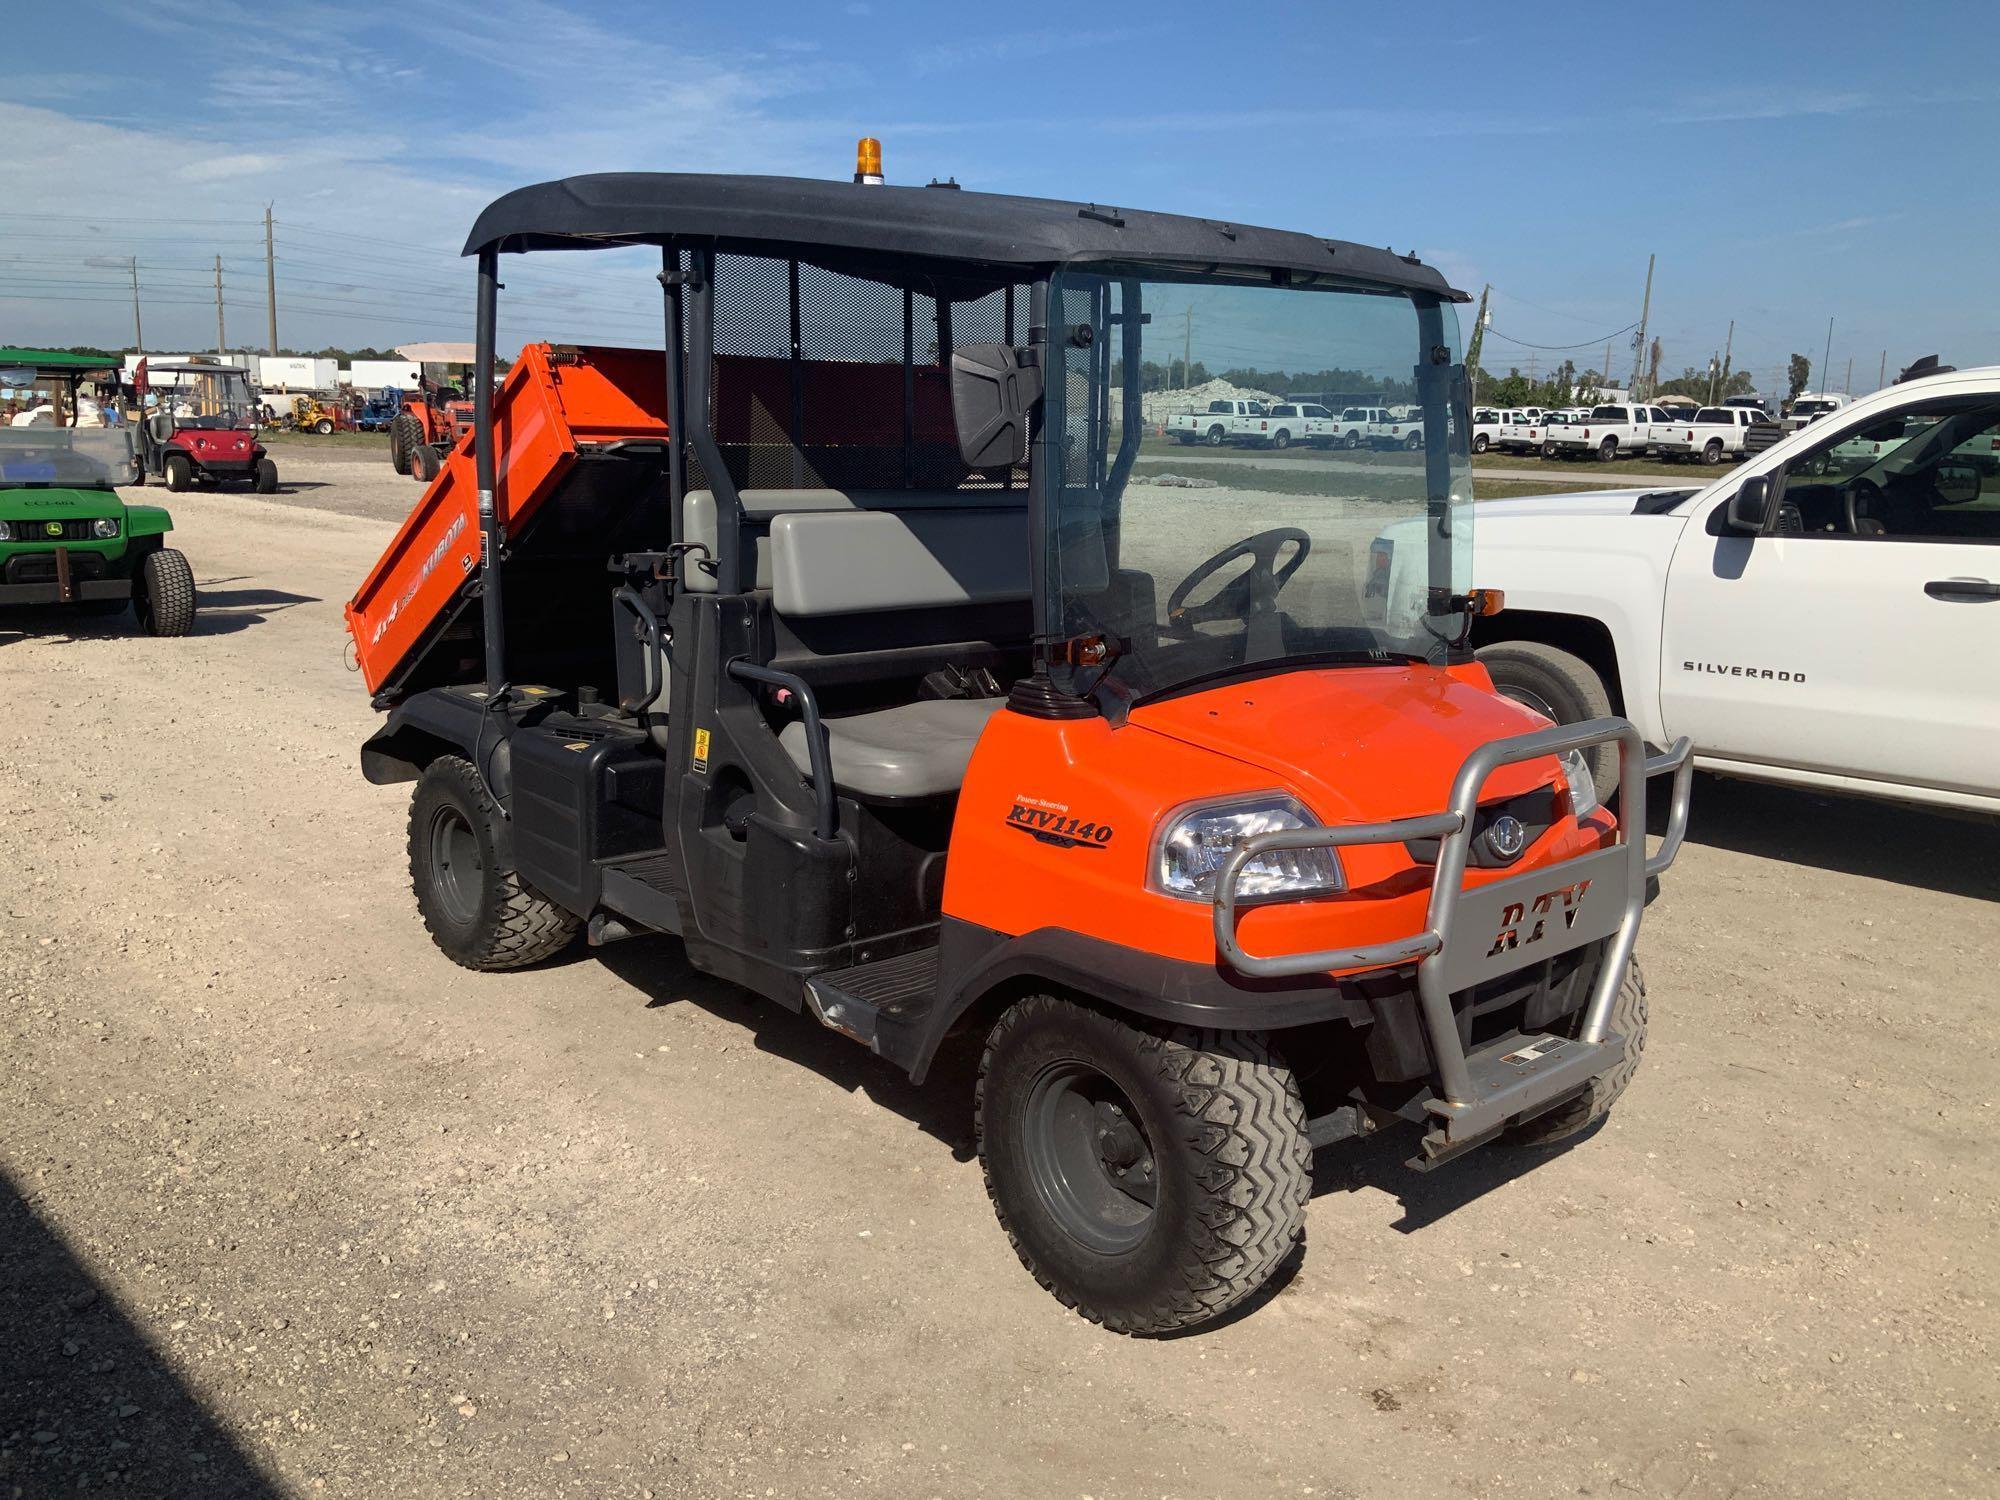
(1351, 426)
(1223, 422)
(1397, 432)
(1713, 433)
(1609, 432)
(1290, 422)
(1811, 406)
(1836, 631)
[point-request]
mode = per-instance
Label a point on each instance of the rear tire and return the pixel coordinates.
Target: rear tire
(179, 472)
(1628, 1019)
(1149, 1180)
(324, 427)
(475, 907)
(163, 593)
(1561, 687)
(266, 482)
(399, 443)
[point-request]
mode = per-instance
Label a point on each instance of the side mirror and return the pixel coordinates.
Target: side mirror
(1750, 506)
(1956, 484)
(991, 395)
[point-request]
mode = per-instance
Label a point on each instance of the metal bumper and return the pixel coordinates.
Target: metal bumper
(1472, 936)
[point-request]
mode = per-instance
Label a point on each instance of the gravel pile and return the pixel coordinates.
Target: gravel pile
(1159, 405)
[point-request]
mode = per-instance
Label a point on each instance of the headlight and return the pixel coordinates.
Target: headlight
(1582, 784)
(104, 528)
(1195, 845)
(6, 532)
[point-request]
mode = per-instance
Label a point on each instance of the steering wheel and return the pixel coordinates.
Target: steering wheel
(1252, 592)
(1865, 503)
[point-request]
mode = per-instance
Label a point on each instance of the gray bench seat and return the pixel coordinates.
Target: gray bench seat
(913, 750)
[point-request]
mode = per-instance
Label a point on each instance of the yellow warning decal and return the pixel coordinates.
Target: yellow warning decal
(701, 749)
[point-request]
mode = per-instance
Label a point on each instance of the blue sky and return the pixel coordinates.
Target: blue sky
(1787, 162)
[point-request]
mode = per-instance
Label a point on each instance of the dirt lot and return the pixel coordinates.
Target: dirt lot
(291, 1206)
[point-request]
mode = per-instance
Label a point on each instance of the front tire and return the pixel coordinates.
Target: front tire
(1215, 437)
(179, 472)
(323, 427)
(1628, 1019)
(1607, 450)
(425, 463)
(1352, 441)
(1149, 1180)
(1479, 443)
(1712, 454)
(163, 593)
(266, 482)
(1562, 688)
(1281, 439)
(474, 905)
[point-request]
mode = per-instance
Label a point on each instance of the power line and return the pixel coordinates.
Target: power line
(1561, 348)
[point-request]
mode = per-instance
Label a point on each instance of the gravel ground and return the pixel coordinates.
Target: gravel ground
(291, 1206)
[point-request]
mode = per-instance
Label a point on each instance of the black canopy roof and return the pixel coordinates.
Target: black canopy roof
(796, 216)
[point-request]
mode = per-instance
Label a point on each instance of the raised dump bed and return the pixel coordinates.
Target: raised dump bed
(581, 438)
(558, 409)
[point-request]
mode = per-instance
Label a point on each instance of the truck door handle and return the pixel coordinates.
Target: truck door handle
(1962, 590)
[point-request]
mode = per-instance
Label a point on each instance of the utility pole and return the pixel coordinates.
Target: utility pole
(1826, 359)
(1639, 344)
(271, 280)
(1604, 375)
(1187, 352)
(1882, 375)
(138, 330)
(1478, 341)
(1847, 386)
(221, 341)
(1728, 344)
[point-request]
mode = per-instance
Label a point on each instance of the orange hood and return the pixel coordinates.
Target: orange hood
(1358, 744)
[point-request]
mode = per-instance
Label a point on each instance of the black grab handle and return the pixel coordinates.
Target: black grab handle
(825, 805)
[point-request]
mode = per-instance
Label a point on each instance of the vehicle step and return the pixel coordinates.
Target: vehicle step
(881, 1004)
(646, 887)
(1514, 1079)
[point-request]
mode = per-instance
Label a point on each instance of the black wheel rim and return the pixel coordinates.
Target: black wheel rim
(1529, 699)
(457, 872)
(1089, 1158)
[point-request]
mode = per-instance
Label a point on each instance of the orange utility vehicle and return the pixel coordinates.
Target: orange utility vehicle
(853, 644)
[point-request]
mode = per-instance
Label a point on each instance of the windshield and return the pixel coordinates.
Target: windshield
(217, 398)
(1160, 571)
(41, 453)
(1812, 408)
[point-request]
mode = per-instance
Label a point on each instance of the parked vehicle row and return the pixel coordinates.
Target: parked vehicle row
(1284, 424)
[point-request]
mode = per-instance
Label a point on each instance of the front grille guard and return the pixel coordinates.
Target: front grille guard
(1454, 828)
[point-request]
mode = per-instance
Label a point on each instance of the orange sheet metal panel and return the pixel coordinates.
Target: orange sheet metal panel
(551, 401)
(1057, 821)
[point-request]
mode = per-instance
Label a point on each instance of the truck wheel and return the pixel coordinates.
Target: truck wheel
(179, 472)
(475, 907)
(425, 463)
(324, 427)
(1413, 442)
(1353, 440)
(266, 482)
(1548, 450)
(1281, 439)
(1607, 450)
(1149, 1180)
(1628, 1019)
(1712, 454)
(163, 593)
(1215, 437)
(1185, 439)
(1560, 687)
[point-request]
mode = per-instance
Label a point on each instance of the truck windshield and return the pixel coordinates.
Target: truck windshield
(1158, 572)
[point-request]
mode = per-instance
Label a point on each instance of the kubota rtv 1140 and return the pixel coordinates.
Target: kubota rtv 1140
(855, 644)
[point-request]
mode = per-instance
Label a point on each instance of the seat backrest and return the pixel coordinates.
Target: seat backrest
(874, 561)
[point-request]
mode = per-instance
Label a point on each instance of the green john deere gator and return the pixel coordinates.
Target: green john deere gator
(67, 538)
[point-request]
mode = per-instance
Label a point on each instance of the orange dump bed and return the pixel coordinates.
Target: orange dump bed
(552, 403)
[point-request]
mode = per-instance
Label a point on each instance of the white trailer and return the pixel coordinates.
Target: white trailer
(384, 374)
(287, 373)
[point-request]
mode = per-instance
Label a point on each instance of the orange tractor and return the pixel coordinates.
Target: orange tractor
(427, 428)
(850, 645)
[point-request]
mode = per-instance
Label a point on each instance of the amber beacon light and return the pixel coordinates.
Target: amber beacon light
(868, 161)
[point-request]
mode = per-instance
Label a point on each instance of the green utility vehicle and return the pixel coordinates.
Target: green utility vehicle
(67, 538)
